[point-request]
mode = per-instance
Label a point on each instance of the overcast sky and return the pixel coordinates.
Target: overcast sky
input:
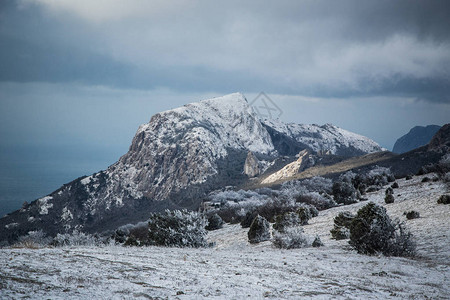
(80, 76)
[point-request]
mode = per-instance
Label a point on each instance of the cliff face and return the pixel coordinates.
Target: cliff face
(173, 160)
(251, 165)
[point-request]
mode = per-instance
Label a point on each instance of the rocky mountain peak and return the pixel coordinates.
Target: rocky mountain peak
(173, 161)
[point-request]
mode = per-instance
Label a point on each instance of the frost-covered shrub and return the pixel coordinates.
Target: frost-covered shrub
(379, 176)
(344, 192)
(177, 228)
(33, 239)
(348, 177)
(389, 198)
(394, 185)
(132, 234)
(291, 238)
(426, 179)
(138, 235)
(389, 190)
(412, 215)
(304, 214)
(76, 238)
(317, 242)
(317, 184)
(444, 199)
(341, 227)
(267, 192)
(230, 214)
(292, 189)
(248, 219)
(372, 232)
(214, 222)
(259, 230)
(320, 201)
(286, 220)
(344, 219)
(277, 206)
(237, 196)
(372, 189)
(340, 233)
(313, 211)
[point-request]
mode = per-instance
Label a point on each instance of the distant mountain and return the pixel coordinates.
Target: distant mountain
(173, 161)
(415, 138)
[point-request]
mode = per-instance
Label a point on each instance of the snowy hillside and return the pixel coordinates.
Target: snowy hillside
(234, 269)
(327, 138)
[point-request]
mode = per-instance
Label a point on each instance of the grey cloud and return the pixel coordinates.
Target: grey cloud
(313, 48)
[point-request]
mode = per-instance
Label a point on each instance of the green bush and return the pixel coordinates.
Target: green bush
(214, 222)
(286, 220)
(248, 219)
(341, 227)
(426, 179)
(372, 232)
(304, 214)
(444, 199)
(259, 230)
(389, 198)
(317, 242)
(412, 215)
(344, 192)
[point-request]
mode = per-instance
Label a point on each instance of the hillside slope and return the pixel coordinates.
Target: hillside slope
(235, 269)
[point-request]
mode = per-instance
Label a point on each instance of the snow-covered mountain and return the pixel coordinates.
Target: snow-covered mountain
(326, 139)
(173, 160)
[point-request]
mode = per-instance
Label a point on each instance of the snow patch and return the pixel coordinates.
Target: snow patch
(44, 206)
(86, 180)
(11, 225)
(66, 215)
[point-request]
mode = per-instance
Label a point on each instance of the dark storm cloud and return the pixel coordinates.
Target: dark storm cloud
(312, 48)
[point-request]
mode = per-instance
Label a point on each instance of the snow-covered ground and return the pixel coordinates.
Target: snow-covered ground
(234, 269)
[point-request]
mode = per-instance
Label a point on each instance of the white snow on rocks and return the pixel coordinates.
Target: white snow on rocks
(326, 138)
(66, 215)
(44, 205)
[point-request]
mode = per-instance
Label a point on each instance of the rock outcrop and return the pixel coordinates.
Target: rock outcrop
(251, 166)
(304, 161)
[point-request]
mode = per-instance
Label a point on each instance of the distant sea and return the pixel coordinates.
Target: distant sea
(28, 180)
